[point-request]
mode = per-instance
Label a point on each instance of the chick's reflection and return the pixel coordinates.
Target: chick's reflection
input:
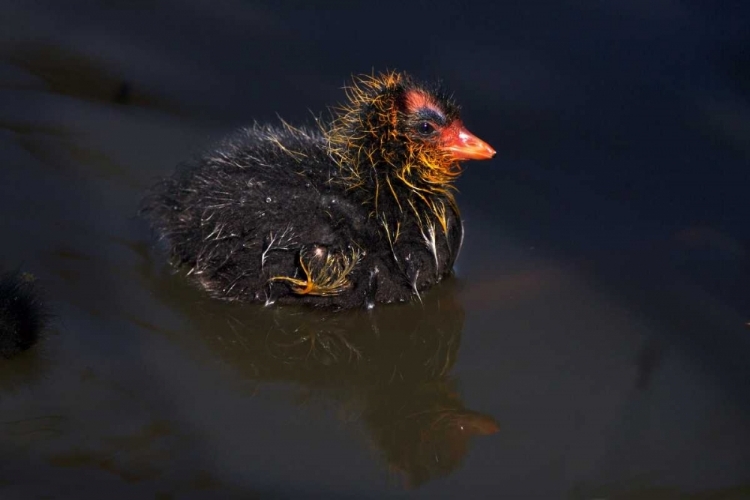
(389, 366)
(424, 429)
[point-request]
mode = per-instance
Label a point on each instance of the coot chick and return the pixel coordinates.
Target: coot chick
(22, 314)
(358, 211)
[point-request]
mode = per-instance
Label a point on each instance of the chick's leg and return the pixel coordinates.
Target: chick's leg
(324, 272)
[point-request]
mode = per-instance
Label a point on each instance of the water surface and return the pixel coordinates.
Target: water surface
(593, 343)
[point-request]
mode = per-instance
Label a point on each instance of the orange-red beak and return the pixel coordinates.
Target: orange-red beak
(464, 145)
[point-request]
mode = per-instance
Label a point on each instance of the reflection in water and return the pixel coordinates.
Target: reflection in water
(424, 429)
(134, 458)
(650, 357)
(63, 71)
(25, 432)
(60, 148)
(74, 74)
(390, 366)
(664, 493)
(23, 370)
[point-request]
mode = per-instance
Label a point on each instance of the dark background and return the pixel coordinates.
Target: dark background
(605, 276)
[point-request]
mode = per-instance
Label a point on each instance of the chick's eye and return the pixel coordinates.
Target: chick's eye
(425, 128)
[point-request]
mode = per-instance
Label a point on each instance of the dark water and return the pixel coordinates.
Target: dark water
(593, 345)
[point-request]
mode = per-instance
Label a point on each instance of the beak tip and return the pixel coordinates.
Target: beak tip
(488, 153)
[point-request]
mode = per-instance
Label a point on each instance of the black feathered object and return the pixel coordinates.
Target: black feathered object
(356, 212)
(22, 314)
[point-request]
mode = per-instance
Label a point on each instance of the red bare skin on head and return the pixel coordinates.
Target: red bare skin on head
(449, 135)
(416, 99)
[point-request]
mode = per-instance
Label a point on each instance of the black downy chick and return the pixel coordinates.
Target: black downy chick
(358, 212)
